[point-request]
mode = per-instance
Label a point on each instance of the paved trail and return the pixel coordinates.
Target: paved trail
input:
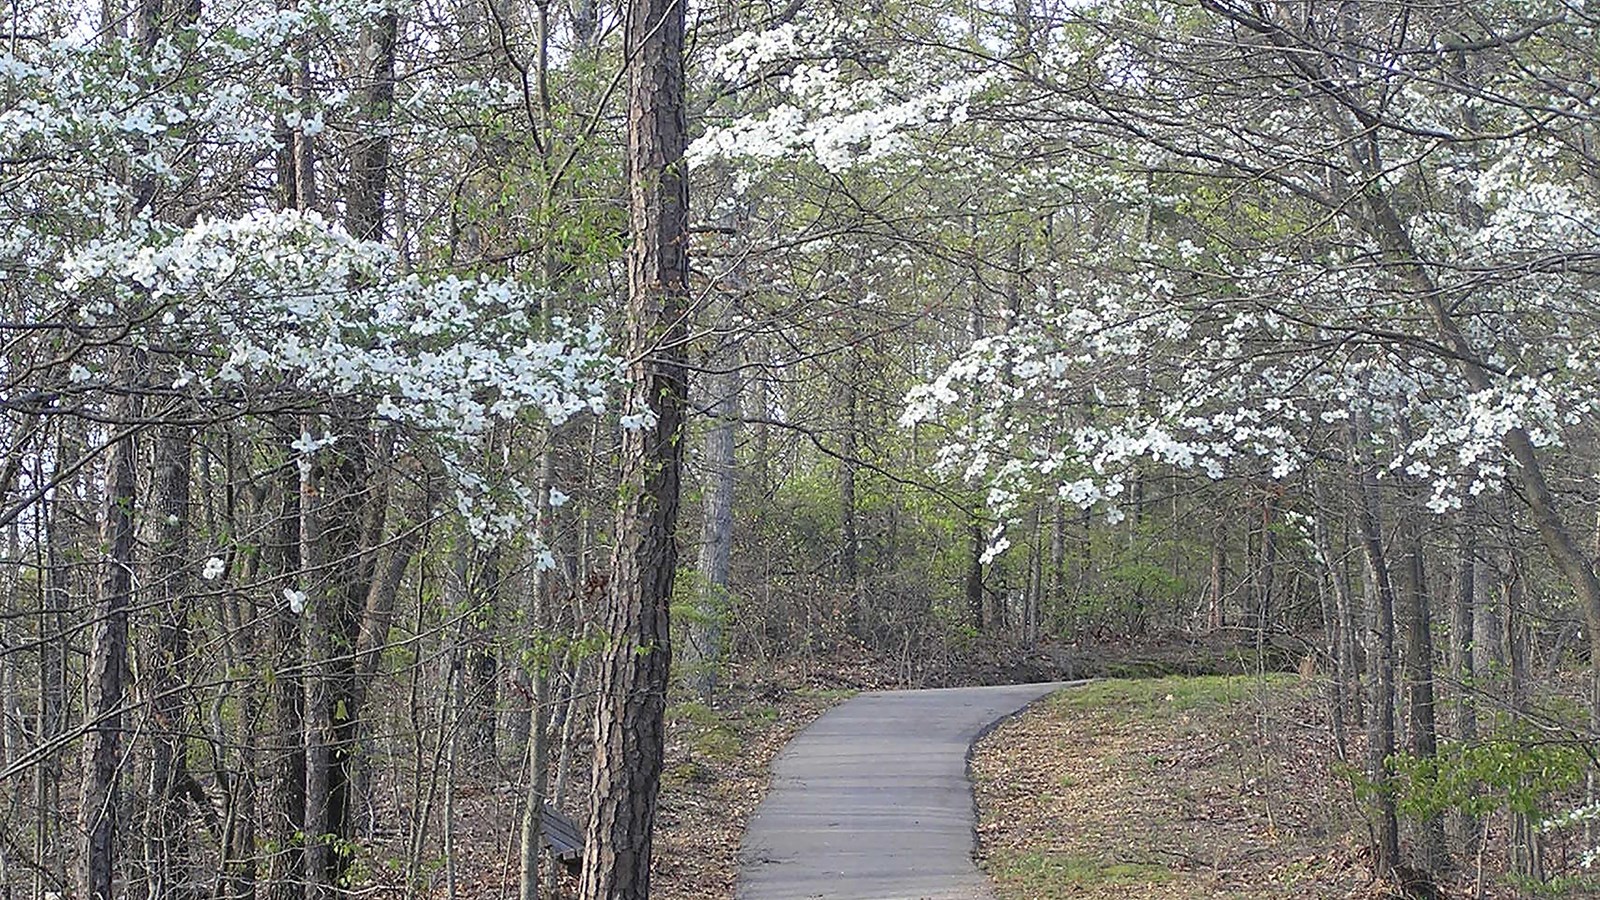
(872, 801)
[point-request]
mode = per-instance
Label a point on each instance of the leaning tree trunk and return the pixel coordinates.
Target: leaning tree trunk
(632, 692)
(1381, 722)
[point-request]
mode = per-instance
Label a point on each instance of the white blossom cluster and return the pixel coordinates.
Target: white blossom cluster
(827, 109)
(139, 211)
(294, 297)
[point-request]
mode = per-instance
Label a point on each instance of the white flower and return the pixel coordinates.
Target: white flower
(296, 599)
(213, 569)
(645, 418)
(557, 498)
(995, 549)
(77, 374)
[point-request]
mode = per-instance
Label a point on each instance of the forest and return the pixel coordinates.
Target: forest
(414, 416)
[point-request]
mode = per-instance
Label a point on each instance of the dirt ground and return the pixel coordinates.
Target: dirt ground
(1167, 788)
(1198, 787)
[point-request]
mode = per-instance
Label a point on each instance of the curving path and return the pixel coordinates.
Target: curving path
(872, 801)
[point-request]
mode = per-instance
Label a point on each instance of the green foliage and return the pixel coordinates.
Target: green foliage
(1166, 696)
(700, 610)
(1514, 771)
(1559, 886)
(1062, 874)
(710, 736)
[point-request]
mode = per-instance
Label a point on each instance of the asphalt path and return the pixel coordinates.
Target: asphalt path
(872, 801)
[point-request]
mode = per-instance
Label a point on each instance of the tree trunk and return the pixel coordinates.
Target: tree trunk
(1217, 594)
(716, 534)
(101, 799)
(1418, 665)
(1462, 628)
(849, 539)
(1381, 719)
(1526, 851)
(53, 704)
(1058, 559)
(636, 666)
(1337, 617)
(531, 840)
(975, 576)
(285, 809)
(367, 191)
(165, 837)
(1269, 566)
(316, 599)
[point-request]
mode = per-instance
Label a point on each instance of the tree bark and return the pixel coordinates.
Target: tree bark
(101, 799)
(1339, 617)
(531, 839)
(1381, 719)
(1217, 594)
(716, 533)
(285, 807)
(636, 666)
(1433, 855)
(1462, 629)
(165, 838)
(849, 538)
(369, 158)
(1526, 851)
(53, 665)
(975, 575)
(320, 624)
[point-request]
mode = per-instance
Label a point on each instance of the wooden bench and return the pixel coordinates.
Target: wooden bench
(564, 837)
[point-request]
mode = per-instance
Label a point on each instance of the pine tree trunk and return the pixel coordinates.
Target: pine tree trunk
(636, 666)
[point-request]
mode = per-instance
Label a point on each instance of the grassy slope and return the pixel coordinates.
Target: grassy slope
(1171, 788)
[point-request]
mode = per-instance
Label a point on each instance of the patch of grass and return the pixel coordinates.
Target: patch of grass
(764, 712)
(720, 744)
(829, 694)
(1057, 874)
(1154, 789)
(1559, 887)
(707, 732)
(692, 712)
(1147, 697)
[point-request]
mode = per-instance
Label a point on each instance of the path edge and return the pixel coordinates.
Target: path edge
(985, 731)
